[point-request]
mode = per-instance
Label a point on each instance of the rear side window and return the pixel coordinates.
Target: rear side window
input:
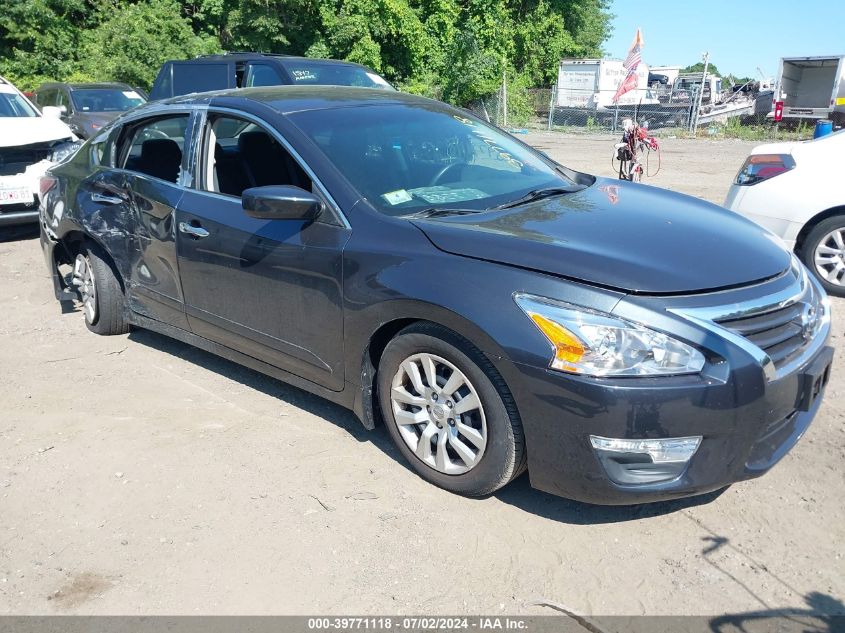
(154, 147)
(262, 75)
(188, 78)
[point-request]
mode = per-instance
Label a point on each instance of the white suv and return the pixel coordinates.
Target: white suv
(30, 143)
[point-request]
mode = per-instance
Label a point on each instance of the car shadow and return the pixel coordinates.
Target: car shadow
(313, 404)
(518, 493)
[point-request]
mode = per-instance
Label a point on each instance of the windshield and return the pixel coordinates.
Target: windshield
(105, 99)
(407, 158)
(14, 105)
(317, 73)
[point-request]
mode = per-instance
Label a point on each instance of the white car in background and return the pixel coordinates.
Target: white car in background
(30, 143)
(797, 191)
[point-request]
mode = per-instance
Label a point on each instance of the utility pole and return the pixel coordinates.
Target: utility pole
(700, 94)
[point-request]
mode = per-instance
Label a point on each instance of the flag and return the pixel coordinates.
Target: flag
(630, 64)
(630, 82)
(635, 52)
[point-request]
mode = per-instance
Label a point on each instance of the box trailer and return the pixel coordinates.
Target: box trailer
(812, 88)
(591, 84)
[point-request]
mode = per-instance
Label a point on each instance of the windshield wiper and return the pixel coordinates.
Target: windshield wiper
(435, 212)
(538, 194)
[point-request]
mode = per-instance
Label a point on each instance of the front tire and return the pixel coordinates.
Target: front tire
(823, 252)
(100, 292)
(449, 411)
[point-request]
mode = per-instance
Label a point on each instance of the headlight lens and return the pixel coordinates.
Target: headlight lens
(597, 344)
(65, 150)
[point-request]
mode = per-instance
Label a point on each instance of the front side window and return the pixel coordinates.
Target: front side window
(406, 158)
(154, 147)
(14, 105)
(105, 100)
(241, 154)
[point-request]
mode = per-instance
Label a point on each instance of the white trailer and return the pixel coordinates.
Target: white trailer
(591, 84)
(812, 88)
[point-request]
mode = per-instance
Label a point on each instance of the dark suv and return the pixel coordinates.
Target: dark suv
(246, 70)
(86, 108)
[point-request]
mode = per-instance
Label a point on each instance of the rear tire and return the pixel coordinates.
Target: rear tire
(469, 438)
(823, 252)
(102, 296)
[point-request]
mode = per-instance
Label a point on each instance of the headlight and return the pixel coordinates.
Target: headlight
(65, 150)
(597, 344)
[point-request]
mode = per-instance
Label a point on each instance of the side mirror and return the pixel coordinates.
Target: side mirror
(52, 112)
(281, 202)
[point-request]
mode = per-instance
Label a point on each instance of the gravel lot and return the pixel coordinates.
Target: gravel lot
(141, 476)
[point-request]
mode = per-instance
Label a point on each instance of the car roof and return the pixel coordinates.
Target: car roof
(83, 86)
(245, 56)
(290, 99)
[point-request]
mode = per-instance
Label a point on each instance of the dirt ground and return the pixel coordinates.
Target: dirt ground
(141, 476)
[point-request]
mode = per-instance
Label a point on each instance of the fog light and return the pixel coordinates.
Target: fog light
(670, 449)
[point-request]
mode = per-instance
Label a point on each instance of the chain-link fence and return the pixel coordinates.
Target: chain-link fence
(596, 111)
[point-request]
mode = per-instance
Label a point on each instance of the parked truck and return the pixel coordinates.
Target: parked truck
(812, 88)
(592, 83)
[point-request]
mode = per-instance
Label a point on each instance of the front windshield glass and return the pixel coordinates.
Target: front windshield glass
(407, 158)
(105, 100)
(14, 105)
(305, 72)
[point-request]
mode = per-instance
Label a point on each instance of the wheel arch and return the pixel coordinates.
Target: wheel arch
(70, 243)
(393, 318)
(810, 224)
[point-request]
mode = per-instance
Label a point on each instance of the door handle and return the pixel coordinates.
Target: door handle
(103, 198)
(194, 231)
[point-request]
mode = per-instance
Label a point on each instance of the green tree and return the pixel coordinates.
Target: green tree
(133, 41)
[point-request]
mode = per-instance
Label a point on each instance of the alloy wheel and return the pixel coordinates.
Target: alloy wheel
(829, 257)
(439, 414)
(83, 279)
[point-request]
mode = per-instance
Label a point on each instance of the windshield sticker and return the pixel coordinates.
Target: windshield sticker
(131, 94)
(303, 75)
(440, 195)
(397, 197)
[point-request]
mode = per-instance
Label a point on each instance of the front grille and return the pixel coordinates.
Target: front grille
(780, 333)
(15, 160)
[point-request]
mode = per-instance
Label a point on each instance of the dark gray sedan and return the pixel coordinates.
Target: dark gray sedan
(496, 310)
(87, 108)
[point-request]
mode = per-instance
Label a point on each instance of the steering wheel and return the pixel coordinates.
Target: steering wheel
(445, 170)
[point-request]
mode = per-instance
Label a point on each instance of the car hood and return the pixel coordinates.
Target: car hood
(100, 119)
(619, 235)
(16, 131)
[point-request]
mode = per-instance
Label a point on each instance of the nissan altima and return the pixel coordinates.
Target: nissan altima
(495, 310)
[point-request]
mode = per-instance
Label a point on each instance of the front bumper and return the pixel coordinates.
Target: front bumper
(13, 215)
(25, 212)
(747, 415)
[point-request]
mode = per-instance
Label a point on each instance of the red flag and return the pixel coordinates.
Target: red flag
(630, 82)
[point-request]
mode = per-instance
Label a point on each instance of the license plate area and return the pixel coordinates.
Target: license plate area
(14, 191)
(814, 379)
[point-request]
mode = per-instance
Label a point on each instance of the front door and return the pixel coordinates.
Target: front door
(271, 289)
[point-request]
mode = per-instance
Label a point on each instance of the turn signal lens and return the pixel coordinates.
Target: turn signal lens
(568, 349)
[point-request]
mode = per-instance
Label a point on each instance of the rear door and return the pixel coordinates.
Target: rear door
(268, 288)
(152, 163)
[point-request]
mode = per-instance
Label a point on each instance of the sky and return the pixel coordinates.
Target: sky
(739, 34)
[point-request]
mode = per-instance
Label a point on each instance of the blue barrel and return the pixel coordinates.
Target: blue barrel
(822, 128)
